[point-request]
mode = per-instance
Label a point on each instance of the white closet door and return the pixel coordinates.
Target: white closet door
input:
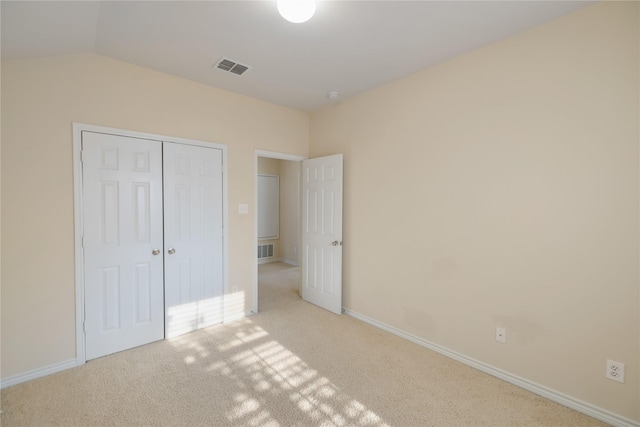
(122, 211)
(193, 238)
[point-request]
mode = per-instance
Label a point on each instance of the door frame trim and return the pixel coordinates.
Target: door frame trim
(78, 128)
(271, 155)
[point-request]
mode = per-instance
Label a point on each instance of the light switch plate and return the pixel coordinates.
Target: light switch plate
(501, 335)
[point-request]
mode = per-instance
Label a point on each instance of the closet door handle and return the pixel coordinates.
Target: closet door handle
(171, 251)
(155, 251)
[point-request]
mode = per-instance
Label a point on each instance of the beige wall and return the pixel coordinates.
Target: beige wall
(501, 189)
(268, 165)
(289, 210)
(40, 100)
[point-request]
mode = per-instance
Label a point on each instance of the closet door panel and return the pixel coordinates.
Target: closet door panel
(122, 226)
(193, 237)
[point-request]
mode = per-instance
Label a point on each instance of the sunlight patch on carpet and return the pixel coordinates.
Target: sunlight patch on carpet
(265, 367)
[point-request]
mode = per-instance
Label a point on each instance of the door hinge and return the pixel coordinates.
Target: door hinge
(84, 326)
(82, 155)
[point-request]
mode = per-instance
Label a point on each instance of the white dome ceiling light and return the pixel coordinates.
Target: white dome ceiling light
(296, 11)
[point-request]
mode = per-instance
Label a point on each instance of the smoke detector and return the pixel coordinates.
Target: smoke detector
(333, 95)
(231, 66)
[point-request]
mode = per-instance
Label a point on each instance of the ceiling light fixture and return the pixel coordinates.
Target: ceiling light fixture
(333, 95)
(296, 11)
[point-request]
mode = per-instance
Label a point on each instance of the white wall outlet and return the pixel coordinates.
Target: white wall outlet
(615, 371)
(501, 335)
(243, 208)
(234, 289)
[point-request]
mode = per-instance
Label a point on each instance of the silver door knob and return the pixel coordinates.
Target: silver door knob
(336, 243)
(155, 251)
(171, 251)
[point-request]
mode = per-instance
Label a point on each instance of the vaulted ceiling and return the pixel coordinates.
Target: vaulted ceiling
(348, 46)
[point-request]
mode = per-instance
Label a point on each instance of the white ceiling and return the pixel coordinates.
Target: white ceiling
(348, 46)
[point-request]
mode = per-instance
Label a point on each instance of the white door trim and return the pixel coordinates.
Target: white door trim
(272, 155)
(79, 224)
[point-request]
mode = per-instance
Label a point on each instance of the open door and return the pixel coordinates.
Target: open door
(322, 232)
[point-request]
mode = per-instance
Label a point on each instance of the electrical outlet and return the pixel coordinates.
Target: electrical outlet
(501, 335)
(615, 371)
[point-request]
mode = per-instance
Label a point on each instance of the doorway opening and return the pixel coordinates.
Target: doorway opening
(277, 219)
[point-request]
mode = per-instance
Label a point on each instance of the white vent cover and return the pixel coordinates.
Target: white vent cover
(231, 66)
(265, 251)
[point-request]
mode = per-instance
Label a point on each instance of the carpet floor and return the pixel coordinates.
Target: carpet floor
(292, 364)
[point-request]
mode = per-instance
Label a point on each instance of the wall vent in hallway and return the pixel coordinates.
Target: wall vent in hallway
(265, 251)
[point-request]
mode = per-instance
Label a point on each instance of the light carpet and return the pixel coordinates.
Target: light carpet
(292, 364)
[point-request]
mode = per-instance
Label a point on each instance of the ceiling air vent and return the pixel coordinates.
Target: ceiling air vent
(226, 64)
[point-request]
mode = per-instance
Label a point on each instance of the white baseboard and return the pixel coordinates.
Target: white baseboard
(38, 373)
(561, 398)
(268, 260)
(556, 396)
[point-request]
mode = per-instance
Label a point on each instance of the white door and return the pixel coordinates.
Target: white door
(122, 211)
(322, 232)
(193, 238)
